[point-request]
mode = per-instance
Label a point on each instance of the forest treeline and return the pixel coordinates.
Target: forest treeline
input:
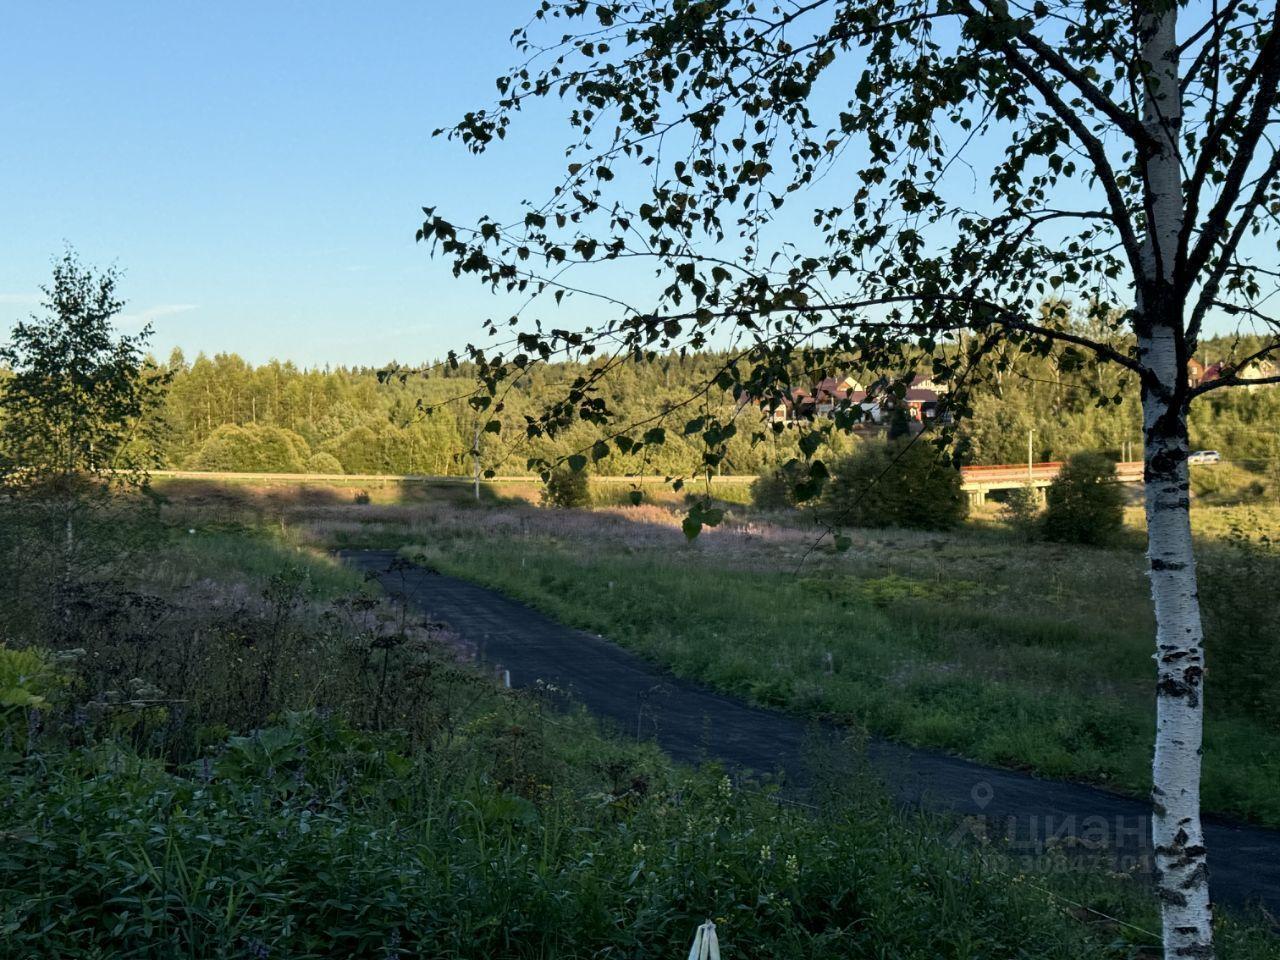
(222, 413)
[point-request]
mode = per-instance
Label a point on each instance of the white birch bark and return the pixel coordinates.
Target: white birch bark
(1176, 832)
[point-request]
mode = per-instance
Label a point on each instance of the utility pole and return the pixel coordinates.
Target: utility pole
(1030, 457)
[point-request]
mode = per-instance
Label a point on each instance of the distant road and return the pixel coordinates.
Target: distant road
(975, 480)
(401, 477)
(979, 481)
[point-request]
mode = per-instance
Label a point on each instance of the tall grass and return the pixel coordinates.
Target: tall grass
(247, 755)
(1028, 670)
(311, 839)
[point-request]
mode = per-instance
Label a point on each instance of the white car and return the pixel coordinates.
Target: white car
(1205, 456)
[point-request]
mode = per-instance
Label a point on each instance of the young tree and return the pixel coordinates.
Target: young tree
(76, 403)
(1126, 160)
(1084, 504)
(74, 410)
(894, 484)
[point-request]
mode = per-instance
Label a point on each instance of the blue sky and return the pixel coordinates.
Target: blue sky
(257, 169)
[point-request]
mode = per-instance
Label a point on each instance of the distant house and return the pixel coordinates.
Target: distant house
(796, 405)
(921, 404)
(926, 382)
(1195, 372)
(873, 402)
(1257, 370)
(1254, 370)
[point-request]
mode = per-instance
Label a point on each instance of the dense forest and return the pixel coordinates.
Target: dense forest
(222, 413)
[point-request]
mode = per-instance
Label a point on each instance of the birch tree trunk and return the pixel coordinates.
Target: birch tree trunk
(1176, 833)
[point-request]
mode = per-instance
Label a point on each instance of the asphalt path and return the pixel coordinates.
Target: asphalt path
(694, 723)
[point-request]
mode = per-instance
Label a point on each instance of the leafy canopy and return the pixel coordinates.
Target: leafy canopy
(877, 183)
(77, 399)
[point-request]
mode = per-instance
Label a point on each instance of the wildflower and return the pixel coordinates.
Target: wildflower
(766, 853)
(258, 950)
(793, 866)
(726, 787)
(638, 848)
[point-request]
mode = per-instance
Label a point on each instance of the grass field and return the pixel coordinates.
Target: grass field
(304, 774)
(1027, 655)
(1028, 658)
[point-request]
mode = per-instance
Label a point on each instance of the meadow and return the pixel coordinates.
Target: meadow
(232, 746)
(1024, 654)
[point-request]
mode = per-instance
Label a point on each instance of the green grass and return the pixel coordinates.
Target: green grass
(1037, 667)
(1028, 655)
(398, 803)
(312, 839)
(220, 551)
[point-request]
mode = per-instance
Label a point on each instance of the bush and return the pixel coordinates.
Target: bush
(567, 488)
(1085, 503)
(777, 490)
(895, 484)
(1021, 511)
(324, 463)
(27, 680)
(252, 448)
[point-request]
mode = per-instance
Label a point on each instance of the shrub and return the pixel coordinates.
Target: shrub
(1085, 503)
(777, 490)
(1021, 511)
(567, 488)
(895, 484)
(252, 448)
(323, 463)
(27, 680)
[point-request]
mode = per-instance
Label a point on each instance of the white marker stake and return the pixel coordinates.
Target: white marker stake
(705, 945)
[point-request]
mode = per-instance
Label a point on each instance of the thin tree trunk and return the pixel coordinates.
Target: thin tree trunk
(475, 461)
(1176, 833)
(1181, 860)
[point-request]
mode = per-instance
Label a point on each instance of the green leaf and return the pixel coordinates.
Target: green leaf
(577, 462)
(810, 443)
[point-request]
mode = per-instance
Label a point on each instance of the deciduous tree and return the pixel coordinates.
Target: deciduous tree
(959, 162)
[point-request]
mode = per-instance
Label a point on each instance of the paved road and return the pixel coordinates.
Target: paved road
(694, 723)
